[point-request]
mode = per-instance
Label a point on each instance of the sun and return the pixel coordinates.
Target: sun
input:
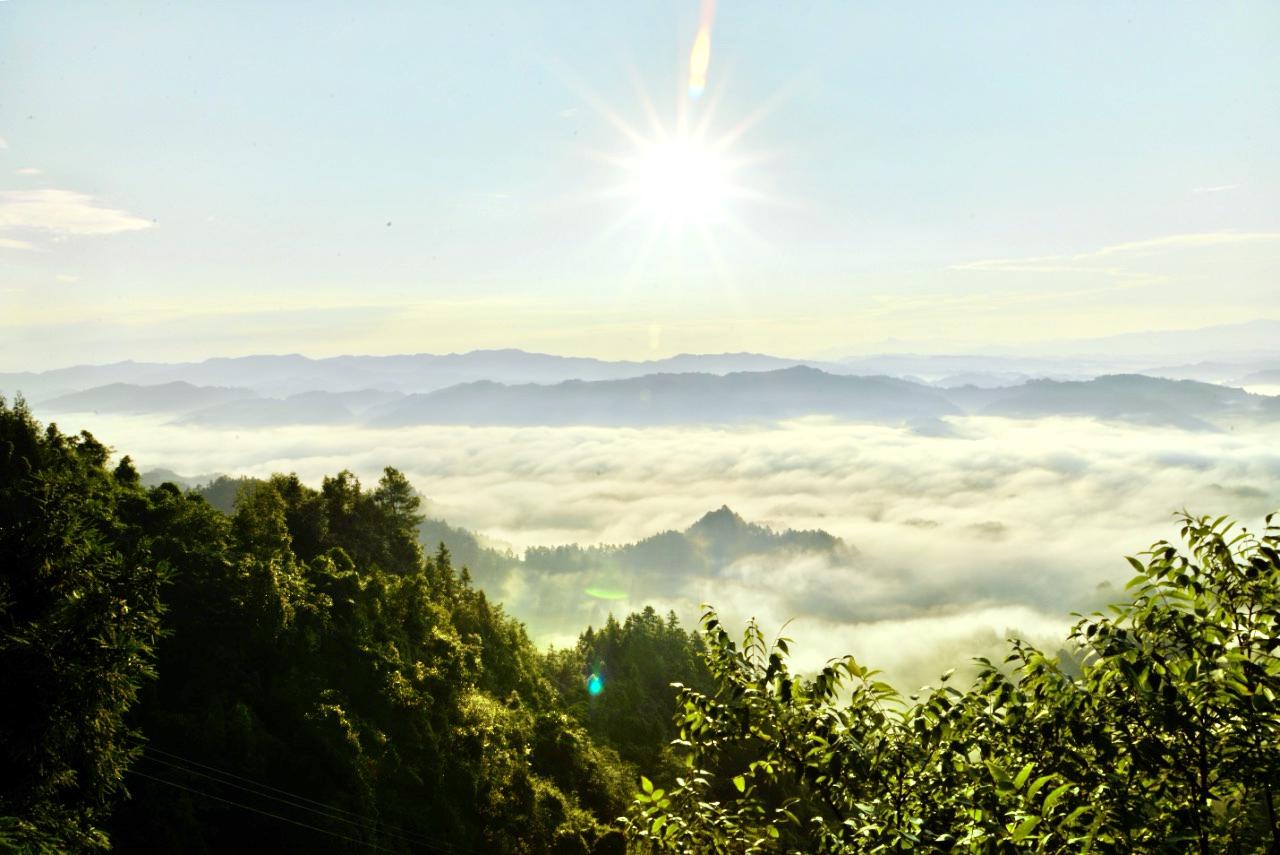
(680, 180)
(680, 186)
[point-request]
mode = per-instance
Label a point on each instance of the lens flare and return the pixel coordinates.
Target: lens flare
(602, 592)
(595, 685)
(699, 60)
(700, 55)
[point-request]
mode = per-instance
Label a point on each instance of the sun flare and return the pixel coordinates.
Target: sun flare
(681, 181)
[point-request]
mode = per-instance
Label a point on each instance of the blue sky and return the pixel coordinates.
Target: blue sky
(183, 180)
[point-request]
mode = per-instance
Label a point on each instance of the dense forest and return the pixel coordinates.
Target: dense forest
(293, 672)
(294, 676)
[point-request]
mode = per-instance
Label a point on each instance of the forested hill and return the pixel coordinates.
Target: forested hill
(712, 543)
(294, 676)
(708, 546)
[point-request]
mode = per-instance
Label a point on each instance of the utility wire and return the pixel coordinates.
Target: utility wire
(259, 811)
(151, 749)
(337, 817)
(328, 811)
(332, 809)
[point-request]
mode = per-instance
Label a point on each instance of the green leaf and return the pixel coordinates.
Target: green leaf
(1024, 828)
(1037, 784)
(740, 782)
(1076, 814)
(1053, 798)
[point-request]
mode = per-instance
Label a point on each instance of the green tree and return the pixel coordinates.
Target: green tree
(79, 616)
(635, 662)
(1160, 733)
(315, 651)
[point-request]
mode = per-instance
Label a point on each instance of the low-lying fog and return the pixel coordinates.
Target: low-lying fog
(1008, 525)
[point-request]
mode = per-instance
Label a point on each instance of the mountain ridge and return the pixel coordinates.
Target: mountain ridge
(741, 397)
(1242, 348)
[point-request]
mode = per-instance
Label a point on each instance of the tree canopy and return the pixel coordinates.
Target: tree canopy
(1158, 732)
(296, 675)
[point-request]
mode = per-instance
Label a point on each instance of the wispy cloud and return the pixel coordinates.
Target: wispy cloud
(61, 214)
(1036, 264)
(3, 144)
(1080, 262)
(886, 304)
(27, 170)
(1217, 188)
(1185, 241)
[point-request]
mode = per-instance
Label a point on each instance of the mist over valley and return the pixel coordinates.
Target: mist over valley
(941, 517)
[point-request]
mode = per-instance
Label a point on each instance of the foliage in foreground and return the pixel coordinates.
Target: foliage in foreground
(79, 619)
(296, 676)
(1161, 735)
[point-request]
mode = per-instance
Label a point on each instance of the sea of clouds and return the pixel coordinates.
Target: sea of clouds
(1003, 526)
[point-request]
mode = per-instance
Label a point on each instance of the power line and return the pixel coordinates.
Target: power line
(327, 814)
(331, 811)
(151, 749)
(260, 811)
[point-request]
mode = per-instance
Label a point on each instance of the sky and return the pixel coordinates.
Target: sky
(186, 180)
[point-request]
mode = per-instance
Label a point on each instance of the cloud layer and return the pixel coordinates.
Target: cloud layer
(1004, 525)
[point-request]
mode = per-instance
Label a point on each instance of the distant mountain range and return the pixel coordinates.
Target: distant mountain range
(178, 396)
(1269, 377)
(1133, 398)
(514, 387)
(691, 398)
(1258, 338)
(1225, 354)
(673, 399)
(283, 376)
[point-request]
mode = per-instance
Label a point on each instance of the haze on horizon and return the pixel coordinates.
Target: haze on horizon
(180, 182)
